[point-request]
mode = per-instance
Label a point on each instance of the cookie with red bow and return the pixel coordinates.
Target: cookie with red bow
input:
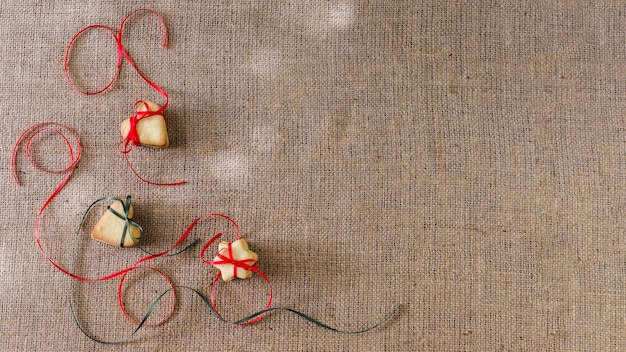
(147, 127)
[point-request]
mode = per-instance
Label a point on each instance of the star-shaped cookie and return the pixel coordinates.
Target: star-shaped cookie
(234, 259)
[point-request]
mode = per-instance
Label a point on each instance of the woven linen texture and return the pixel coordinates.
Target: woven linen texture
(464, 159)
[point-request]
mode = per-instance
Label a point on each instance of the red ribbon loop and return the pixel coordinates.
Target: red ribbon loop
(132, 139)
(172, 303)
(121, 53)
(69, 137)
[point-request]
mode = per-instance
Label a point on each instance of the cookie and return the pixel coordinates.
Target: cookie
(111, 228)
(151, 130)
(227, 264)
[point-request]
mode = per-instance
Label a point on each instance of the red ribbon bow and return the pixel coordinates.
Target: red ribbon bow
(237, 263)
(243, 263)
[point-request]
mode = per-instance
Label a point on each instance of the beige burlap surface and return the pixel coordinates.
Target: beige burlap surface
(463, 159)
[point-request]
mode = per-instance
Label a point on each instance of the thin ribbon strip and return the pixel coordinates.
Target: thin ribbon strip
(74, 150)
(255, 317)
(121, 53)
(71, 141)
(172, 305)
(127, 220)
(210, 301)
(132, 138)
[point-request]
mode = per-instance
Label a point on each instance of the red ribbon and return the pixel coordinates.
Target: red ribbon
(69, 137)
(120, 299)
(74, 150)
(132, 138)
(71, 140)
(224, 260)
(121, 53)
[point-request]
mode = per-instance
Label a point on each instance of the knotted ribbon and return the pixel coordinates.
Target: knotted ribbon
(133, 136)
(243, 264)
(127, 221)
(132, 139)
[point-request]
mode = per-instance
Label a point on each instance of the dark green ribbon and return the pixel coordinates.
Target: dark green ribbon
(298, 313)
(127, 220)
(127, 223)
(150, 311)
(250, 317)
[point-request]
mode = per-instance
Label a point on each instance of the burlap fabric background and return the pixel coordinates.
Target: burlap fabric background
(464, 159)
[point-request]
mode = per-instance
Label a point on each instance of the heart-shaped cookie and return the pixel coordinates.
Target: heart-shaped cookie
(150, 131)
(116, 226)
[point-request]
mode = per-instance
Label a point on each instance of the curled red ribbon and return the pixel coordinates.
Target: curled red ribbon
(237, 263)
(121, 53)
(71, 141)
(74, 150)
(132, 138)
(120, 298)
